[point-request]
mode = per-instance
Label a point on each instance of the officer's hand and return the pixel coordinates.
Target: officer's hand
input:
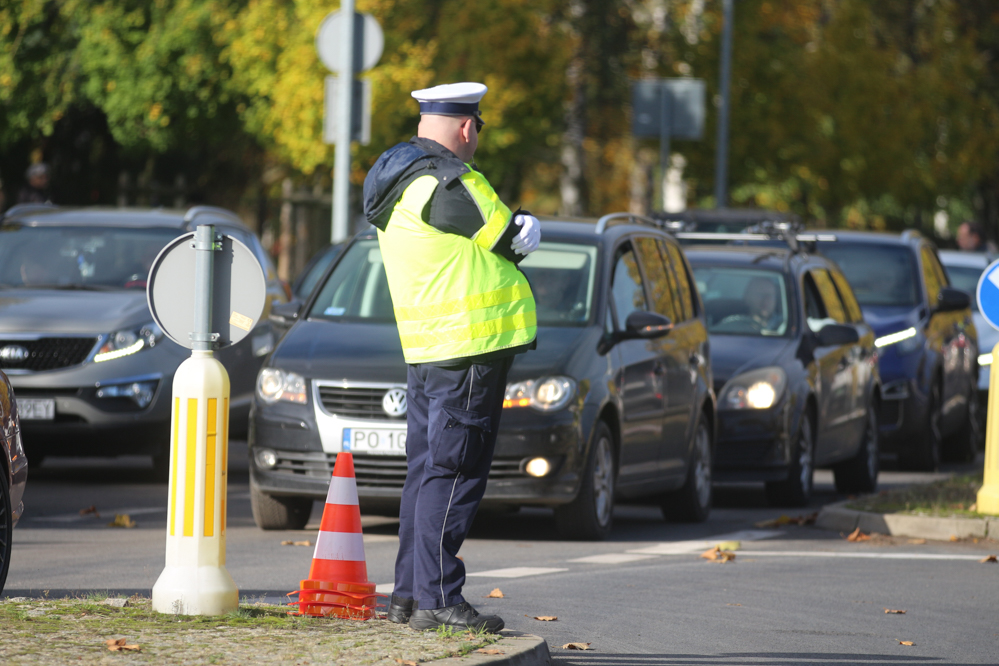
(529, 238)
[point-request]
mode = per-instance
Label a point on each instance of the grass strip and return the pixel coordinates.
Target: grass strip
(956, 496)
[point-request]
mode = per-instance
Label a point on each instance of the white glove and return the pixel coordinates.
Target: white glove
(529, 238)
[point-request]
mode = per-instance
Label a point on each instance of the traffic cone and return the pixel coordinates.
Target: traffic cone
(338, 579)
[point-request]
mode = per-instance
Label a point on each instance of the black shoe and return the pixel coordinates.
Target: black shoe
(400, 609)
(460, 616)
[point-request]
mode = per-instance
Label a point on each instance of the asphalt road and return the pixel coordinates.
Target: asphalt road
(795, 595)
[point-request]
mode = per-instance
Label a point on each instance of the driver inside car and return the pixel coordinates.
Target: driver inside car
(761, 297)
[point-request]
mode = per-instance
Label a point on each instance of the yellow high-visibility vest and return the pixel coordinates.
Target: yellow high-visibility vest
(453, 296)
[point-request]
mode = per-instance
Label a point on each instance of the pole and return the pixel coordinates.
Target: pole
(721, 154)
(204, 269)
(665, 123)
(345, 104)
(988, 495)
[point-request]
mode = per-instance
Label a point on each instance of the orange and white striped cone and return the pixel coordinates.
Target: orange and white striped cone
(338, 579)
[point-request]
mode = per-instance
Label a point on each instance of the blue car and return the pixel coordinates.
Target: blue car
(927, 345)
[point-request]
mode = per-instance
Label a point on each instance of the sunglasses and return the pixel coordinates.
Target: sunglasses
(479, 123)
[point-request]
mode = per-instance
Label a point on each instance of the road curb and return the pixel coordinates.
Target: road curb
(837, 517)
(518, 648)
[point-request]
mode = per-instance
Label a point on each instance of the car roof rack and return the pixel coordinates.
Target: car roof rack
(634, 218)
(195, 211)
(791, 234)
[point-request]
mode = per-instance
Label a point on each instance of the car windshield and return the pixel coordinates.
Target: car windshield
(743, 301)
(561, 277)
(75, 257)
(965, 278)
(879, 274)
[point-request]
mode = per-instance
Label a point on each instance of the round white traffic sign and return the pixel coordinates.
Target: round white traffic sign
(369, 41)
(987, 294)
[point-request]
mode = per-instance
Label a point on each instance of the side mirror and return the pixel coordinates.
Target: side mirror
(646, 325)
(286, 314)
(834, 335)
(951, 299)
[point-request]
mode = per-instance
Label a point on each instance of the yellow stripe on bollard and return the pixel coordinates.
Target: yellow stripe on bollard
(988, 496)
(173, 464)
(225, 459)
(191, 460)
(209, 529)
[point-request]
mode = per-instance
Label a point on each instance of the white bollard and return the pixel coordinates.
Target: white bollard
(195, 580)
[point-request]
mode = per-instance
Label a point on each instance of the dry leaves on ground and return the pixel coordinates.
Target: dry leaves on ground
(576, 646)
(405, 662)
(90, 510)
(495, 594)
(953, 537)
(857, 535)
(296, 543)
(917, 542)
(118, 645)
(892, 611)
(489, 651)
(990, 558)
(544, 618)
(906, 643)
(716, 554)
(122, 520)
(729, 545)
(808, 519)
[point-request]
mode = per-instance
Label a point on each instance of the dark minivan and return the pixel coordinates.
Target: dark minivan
(615, 402)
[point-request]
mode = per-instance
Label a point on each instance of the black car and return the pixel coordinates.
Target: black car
(616, 400)
(927, 345)
(13, 473)
(92, 371)
(722, 221)
(794, 370)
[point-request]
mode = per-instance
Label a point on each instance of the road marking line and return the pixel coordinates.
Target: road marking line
(74, 517)
(613, 558)
(516, 572)
(872, 556)
(682, 547)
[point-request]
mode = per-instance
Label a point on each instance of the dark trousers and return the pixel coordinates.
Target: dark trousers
(452, 420)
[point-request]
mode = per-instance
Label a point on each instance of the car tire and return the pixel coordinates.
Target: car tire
(6, 527)
(272, 512)
(692, 502)
(859, 474)
(796, 489)
(590, 515)
(924, 456)
(963, 445)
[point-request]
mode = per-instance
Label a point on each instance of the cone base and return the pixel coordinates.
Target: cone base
(352, 601)
(195, 591)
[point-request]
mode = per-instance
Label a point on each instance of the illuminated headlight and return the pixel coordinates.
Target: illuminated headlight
(985, 359)
(265, 458)
(141, 393)
(545, 395)
(538, 467)
(758, 389)
(129, 341)
(274, 384)
(907, 341)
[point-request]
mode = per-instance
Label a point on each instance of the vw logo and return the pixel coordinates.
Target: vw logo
(394, 402)
(17, 354)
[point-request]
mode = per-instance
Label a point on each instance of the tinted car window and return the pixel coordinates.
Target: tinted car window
(879, 274)
(815, 310)
(562, 280)
(662, 290)
(626, 289)
(743, 301)
(682, 278)
(830, 298)
(853, 311)
(966, 279)
(357, 289)
(80, 257)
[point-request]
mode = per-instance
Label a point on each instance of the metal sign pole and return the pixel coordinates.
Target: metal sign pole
(665, 123)
(345, 104)
(721, 154)
(204, 268)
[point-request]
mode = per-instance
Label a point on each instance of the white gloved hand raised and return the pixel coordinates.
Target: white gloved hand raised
(529, 238)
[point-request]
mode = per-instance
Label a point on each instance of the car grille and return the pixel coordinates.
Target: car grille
(374, 471)
(358, 403)
(46, 353)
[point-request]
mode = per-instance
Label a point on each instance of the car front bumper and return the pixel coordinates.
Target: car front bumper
(752, 444)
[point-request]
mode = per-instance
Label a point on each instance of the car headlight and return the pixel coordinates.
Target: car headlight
(905, 341)
(757, 389)
(985, 359)
(274, 384)
(545, 395)
(129, 341)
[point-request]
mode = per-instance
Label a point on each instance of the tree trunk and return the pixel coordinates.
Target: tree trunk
(572, 183)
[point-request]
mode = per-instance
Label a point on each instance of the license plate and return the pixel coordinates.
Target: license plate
(382, 442)
(36, 409)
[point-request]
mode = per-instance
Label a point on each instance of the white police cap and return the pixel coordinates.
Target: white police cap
(451, 99)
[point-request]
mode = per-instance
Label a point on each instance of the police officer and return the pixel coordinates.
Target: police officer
(450, 249)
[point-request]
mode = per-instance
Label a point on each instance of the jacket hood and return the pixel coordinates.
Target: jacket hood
(55, 311)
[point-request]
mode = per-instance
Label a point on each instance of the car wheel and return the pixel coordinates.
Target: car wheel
(924, 456)
(6, 527)
(963, 445)
(796, 489)
(277, 512)
(692, 502)
(590, 516)
(859, 474)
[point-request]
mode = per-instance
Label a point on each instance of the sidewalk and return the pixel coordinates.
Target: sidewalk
(838, 517)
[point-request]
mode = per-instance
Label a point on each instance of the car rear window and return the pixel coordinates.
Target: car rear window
(743, 301)
(879, 274)
(357, 288)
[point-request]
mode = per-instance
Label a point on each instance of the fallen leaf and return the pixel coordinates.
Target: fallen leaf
(716, 554)
(808, 519)
(460, 558)
(953, 538)
(546, 618)
(576, 646)
(405, 662)
(917, 542)
(894, 612)
(489, 651)
(729, 545)
(495, 594)
(990, 558)
(906, 643)
(973, 507)
(296, 543)
(733, 604)
(119, 645)
(857, 535)
(122, 520)
(90, 510)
